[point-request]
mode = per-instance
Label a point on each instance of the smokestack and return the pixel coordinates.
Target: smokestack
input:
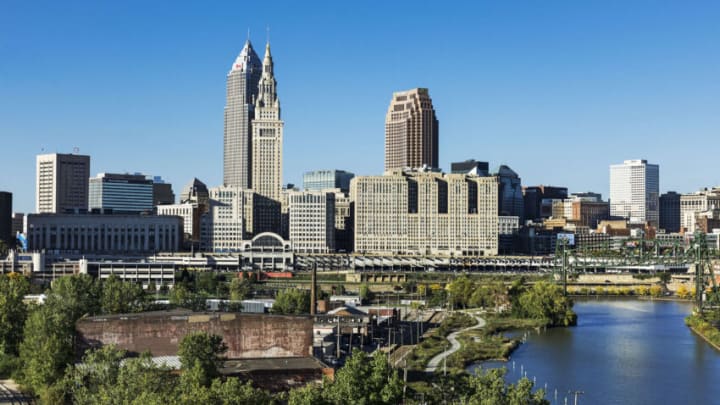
(313, 290)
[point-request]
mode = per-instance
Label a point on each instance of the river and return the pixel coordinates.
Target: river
(623, 351)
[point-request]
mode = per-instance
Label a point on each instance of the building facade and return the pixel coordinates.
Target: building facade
(242, 90)
(582, 211)
(537, 201)
(131, 193)
(267, 135)
(319, 180)
(411, 131)
(190, 213)
(6, 219)
(61, 183)
(510, 196)
(312, 221)
(425, 213)
(670, 211)
(104, 233)
(635, 191)
(508, 228)
(470, 166)
(700, 201)
(223, 226)
(162, 192)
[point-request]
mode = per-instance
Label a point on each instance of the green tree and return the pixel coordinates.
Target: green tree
(121, 297)
(204, 350)
(239, 289)
(460, 290)
(365, 380)
(545, 301)
(207, 281)
(13, 311)
(310, 394)
(47, 347)
(75, 296)
(182, 297)
(292, 301)
(488, 387)
(365, 293)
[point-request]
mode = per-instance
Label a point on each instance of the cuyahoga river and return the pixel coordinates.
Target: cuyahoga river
(623, 351)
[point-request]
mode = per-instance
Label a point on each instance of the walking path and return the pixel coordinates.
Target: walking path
(454, 344)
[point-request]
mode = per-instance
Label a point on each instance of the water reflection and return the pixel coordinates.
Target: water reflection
(622, 352)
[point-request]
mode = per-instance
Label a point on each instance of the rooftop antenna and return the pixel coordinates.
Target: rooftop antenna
(76, 150)
(248, 37)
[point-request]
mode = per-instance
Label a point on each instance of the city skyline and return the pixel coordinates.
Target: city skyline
(630, 92)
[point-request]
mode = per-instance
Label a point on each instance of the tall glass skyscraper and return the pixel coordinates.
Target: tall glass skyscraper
(242, 90)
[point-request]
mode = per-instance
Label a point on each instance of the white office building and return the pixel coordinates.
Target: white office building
(312, 221)
(635, 191)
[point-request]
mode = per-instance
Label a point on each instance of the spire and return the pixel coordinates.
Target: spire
(267, 62)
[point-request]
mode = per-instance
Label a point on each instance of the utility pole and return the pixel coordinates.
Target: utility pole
(337, 350)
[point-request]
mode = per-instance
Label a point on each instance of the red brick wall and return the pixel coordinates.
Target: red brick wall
(246, 335)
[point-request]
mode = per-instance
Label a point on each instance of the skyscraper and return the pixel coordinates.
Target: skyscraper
(267, 135)
(635, 191)
(6, 234)
(670, 211)
(128, 193)
(62, 183)
(242, 90)
(411, 131)
(326, 179)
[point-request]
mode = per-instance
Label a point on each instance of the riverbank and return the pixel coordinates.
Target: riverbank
(704, 329)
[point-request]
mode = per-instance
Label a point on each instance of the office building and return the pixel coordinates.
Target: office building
(223, 226)
(635, 191)
(538, 200)
(6, 219)
(104, 233)
(242, 90)
(470, 166)
(343, 222)
(585, 211)
(312, 221)
(162, 192)
(412, 212)
(190, 213)
(700, 201)
(196, 192)
(319, 180)
(411, 131)
(128, 193)
(18, 223)
(508, 228)
(62, 183)
(267, 135)
(510, 196)
(670, 212)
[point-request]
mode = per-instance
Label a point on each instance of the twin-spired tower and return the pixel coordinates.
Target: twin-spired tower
(253, 128)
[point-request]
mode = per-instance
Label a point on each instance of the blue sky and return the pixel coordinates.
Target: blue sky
(557, 90)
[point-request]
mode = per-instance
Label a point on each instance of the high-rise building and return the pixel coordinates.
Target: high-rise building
(470, 166)
(700, 201)
(425, 213)
(319, 180)
(510, 200)
(6, 223)
(267, 135)
(62, 183)
(242, 90)
(195, 192)
(162, 192)
(538, 200)
(223, 227)
(129, 193)
(411, 131)
(670, 212)
(585, 211)
(312, 221)
(18, 223)
(635, 191)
